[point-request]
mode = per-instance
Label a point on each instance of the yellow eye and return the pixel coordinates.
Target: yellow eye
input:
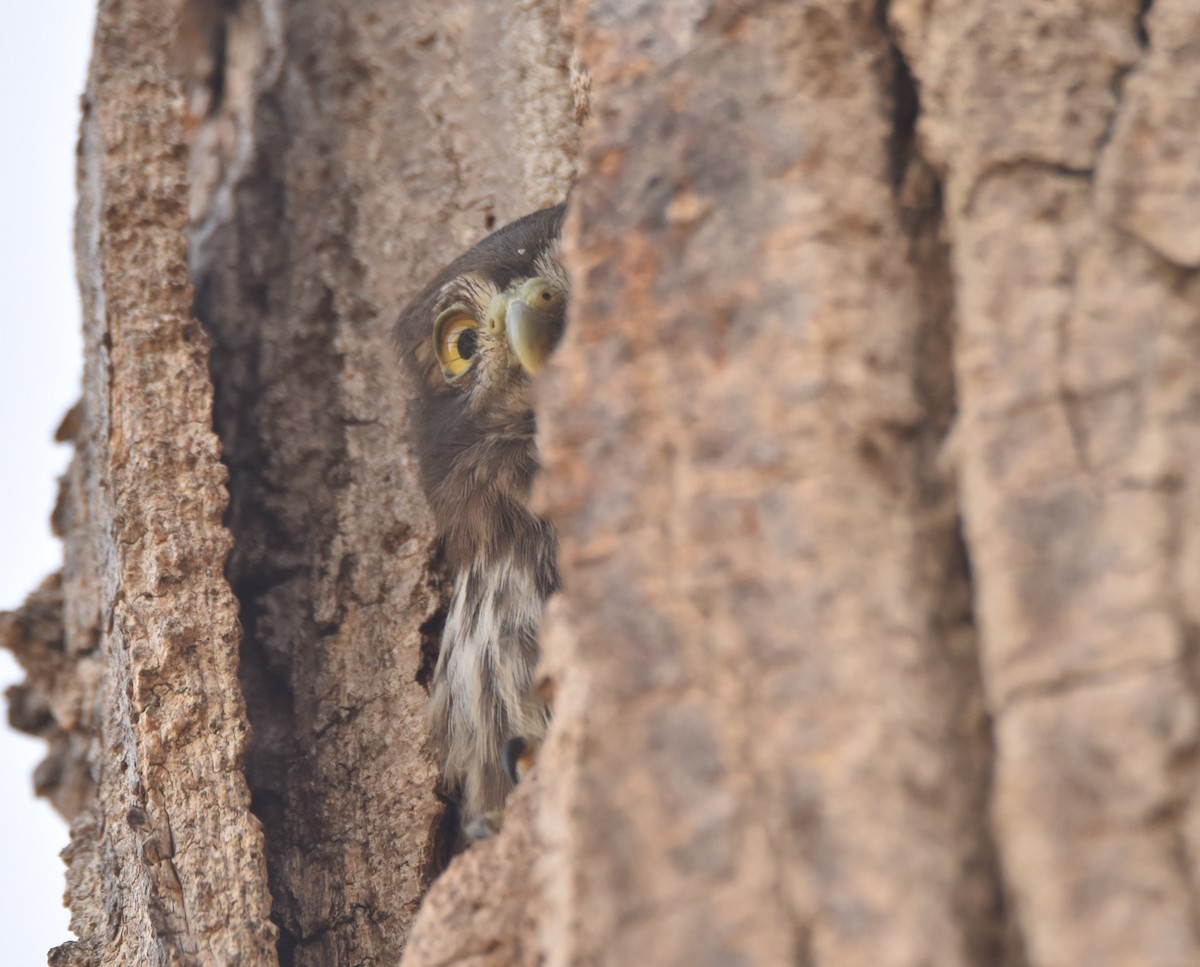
(456, 342)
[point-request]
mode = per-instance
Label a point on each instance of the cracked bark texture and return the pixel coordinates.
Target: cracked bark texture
(872, 444)
(132, 653)
(1070, 168)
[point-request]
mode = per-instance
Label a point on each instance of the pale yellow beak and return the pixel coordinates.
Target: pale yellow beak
(532, 321)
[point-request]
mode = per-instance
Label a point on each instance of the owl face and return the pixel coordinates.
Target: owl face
(486, 335)
(491, 317)
(472, 339)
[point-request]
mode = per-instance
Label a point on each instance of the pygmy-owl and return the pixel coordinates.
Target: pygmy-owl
(472, 340)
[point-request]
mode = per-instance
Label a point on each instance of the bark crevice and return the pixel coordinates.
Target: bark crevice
(993, 936)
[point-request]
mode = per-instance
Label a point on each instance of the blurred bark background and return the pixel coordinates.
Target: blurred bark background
(873, 444)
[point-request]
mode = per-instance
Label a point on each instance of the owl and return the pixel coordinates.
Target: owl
(472, 342)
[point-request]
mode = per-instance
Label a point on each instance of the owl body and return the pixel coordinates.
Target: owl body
(470, 341)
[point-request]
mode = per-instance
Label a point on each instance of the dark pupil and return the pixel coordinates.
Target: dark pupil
(468, 342)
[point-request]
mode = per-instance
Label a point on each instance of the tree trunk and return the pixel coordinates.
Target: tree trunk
(872, 445)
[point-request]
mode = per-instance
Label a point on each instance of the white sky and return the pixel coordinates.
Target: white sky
(44, 49)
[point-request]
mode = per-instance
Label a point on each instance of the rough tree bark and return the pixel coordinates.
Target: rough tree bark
(872, 444)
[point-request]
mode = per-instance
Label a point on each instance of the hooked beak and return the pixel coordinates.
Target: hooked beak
(533, 322)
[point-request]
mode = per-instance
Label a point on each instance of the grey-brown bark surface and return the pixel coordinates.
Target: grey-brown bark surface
(872, 445)
(139, 668)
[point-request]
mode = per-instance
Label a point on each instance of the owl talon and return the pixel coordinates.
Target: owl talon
(510, 757)
(518, 756)
(485, 826)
